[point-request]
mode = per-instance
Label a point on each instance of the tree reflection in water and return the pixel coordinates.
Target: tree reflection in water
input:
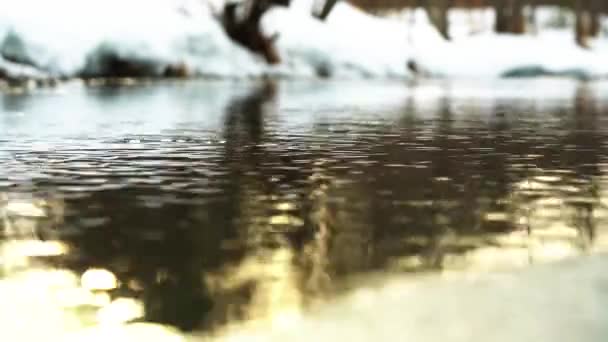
(263, 222)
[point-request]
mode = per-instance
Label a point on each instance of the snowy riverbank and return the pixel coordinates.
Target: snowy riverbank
(69, 38)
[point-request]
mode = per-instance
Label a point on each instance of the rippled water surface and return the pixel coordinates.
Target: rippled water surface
(202, 204)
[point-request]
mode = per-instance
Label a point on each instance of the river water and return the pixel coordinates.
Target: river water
(202, 205)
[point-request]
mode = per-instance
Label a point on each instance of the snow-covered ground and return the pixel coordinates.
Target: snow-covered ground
(477, 52)
(491, 55)
(71, 38)
(67, 38)
(350, 43)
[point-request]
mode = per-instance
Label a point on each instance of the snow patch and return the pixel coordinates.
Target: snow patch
(16, 71)
(349, 44)
(71, 37)
(492, 56)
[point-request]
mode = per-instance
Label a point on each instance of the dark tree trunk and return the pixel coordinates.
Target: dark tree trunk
(518, 24)
(501, 24)
(509, 16)
(328, 5)
(595, 12)
(588, 22)
(247, 31)
(437, 11)
(582, 22)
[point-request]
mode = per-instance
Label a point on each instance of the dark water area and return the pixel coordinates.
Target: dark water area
(213, 202)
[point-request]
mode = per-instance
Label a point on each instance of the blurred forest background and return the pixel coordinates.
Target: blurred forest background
(511, 16)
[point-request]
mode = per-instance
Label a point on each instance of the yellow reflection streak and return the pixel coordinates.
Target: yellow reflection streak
(120, 310)
(276, 298)
(34, 248)
(98, 279)
(39, 302)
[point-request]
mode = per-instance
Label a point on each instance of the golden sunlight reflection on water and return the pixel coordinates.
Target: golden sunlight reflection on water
(42, 302)
(64, 304)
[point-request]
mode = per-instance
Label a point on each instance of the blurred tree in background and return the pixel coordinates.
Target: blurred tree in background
(328, 5)
(509, 16)
(587, 13)
(241, 21)
(438, 14)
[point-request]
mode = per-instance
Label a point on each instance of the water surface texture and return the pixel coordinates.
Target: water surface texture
(198, 204)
